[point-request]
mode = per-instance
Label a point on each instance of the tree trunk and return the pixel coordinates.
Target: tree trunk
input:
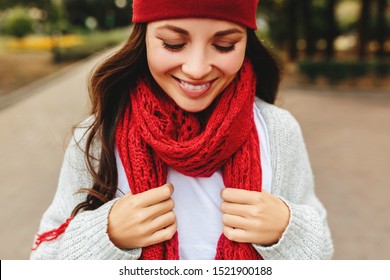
(363, 22)
(331, 28)
(292, 29)
(381, 27)
(307, 27)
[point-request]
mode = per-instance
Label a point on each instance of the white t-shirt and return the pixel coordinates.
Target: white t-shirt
(197, 201)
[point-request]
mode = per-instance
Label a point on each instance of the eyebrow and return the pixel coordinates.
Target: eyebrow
(175, 29)
(185, 32)
(228, 32)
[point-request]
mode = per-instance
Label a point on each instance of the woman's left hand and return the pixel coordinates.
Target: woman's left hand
(253, 217)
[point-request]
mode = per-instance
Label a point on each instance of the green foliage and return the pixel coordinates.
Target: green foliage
(333, 71)
(276, 14)
(347, 15)
(6, 4)
(382, 69)
(106, 13)
(93, 43)
(336, 71)
(18, 22)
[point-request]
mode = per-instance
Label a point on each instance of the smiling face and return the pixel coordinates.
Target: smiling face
(193, 60)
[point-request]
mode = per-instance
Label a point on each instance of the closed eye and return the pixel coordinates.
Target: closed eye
(173, 47)
(224, 49)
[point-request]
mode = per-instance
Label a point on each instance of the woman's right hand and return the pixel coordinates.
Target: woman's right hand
(144, 219)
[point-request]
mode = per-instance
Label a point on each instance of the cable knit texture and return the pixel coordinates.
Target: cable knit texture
(155, 133)
(307, 235)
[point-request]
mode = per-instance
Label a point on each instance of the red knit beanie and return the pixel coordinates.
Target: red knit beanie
(239, 11)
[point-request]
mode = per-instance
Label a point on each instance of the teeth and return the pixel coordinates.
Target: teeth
(192, 87)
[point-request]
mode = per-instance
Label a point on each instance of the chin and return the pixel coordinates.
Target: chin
(192, 108)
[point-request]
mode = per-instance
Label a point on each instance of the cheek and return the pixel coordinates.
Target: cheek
(159, 61)
(231, 65)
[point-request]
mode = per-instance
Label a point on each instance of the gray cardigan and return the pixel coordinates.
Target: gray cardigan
(307, 235)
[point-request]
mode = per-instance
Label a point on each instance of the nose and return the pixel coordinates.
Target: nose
(197, 65)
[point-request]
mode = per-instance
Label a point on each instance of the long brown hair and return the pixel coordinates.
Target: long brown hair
(109, 93)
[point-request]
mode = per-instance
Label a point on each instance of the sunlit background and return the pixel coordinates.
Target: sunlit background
(336, 82)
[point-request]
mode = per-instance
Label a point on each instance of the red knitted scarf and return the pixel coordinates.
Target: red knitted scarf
(155, 133)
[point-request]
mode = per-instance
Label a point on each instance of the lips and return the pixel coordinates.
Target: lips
(194, 89)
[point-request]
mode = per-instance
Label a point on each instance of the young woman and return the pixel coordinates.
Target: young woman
(184, 156)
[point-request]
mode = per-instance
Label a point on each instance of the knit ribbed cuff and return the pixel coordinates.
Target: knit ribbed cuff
(86, 238)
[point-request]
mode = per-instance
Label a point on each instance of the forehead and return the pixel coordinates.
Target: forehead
(195, 25)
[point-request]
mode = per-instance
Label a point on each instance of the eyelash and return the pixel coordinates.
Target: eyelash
(176, 48)
(225, 49)
(173, 48)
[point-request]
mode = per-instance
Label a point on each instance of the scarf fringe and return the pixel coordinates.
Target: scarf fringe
(51, 234)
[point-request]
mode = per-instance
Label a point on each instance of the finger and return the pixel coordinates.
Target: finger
(159, 209)
(162, 235)
(235, 222)
(240, 196)
(242, 210)
(153, 196)
(233, 234)
(162, 222)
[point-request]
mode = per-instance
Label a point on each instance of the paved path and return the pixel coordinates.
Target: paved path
(348, 138)
(33, 136)
(347, 134)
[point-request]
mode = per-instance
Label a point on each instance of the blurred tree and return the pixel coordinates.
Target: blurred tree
(51, 16)
(292, 38)
(381, 26)
(283, 22)
(291, 21)
(331, 30)
(308, 27)
(362, 27)
(108, 14)
(274, 14)
(5, 4)
(18, 22)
